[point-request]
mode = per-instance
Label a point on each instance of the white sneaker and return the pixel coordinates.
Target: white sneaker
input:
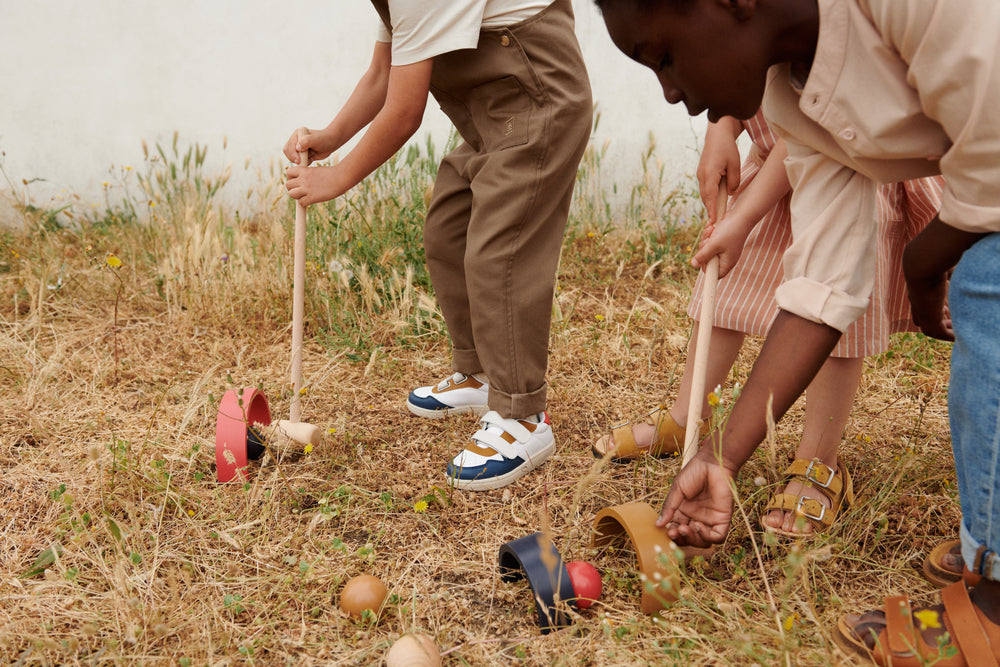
(501, 452)
(458, 393)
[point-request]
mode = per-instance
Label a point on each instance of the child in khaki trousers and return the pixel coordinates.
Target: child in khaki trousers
(510, 76)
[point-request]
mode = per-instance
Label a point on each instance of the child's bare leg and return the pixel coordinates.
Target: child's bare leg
(828, 405)
(724, 347)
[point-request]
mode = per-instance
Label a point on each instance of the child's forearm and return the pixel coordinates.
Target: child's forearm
(934, 251)
(727, 238)
(720, 157)
(767, 188)
(927, 260)
(366, 100)
(397, 120)
(730, 126)
(793, 352)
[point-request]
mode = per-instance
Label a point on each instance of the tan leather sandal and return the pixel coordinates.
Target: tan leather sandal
(835, 485)
(668, 438)
(972, 638)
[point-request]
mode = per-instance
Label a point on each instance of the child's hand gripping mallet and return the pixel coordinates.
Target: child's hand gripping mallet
(293, 428)
(705, 324)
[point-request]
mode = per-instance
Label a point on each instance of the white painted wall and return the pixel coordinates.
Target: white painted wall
(82, 84)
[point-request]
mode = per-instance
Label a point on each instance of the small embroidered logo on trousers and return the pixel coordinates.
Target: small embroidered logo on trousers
(509, 129)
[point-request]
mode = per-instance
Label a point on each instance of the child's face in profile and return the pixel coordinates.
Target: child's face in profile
(703, 54)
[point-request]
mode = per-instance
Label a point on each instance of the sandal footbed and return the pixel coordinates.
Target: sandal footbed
(936, 573)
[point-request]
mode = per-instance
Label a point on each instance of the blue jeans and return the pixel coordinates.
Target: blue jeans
(974, 402)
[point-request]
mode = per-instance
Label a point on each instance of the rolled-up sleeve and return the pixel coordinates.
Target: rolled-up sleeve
(954, 64)
(830, 266)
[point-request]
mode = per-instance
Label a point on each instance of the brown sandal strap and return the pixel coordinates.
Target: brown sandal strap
(966, 626)
(818, 474)
(835, 485)
(819, 514)
(901, 636)
(664, 433)
(622, 438)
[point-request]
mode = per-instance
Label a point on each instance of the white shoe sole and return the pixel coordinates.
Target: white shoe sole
(444, 412)
(500, 481)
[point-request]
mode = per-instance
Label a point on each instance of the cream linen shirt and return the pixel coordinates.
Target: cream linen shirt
(422, 29)
(898, 89)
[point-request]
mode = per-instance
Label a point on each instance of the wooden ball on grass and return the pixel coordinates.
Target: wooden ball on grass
(413, 650)
(361, 593)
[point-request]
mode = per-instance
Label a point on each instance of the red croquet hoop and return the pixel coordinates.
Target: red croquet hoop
(231, 430)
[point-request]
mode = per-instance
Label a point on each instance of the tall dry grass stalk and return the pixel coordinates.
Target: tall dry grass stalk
(117, 545)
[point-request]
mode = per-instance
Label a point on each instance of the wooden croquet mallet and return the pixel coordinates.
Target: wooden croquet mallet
(294, 428)
(705, 324)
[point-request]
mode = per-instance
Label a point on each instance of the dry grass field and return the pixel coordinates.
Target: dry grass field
(122, 325)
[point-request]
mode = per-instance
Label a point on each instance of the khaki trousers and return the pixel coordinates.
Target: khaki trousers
(521, 102)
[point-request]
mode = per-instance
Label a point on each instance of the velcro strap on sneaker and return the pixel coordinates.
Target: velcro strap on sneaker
(496, 442)
(512, 426)
(452, 381)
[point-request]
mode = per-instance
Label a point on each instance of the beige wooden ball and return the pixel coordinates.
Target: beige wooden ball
(413, 650)
(363, 592)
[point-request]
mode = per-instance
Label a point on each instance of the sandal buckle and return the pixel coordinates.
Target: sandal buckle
(799, 510)
(814, 467)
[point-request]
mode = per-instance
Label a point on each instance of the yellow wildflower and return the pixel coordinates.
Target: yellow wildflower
(420, 506)
(715, 397)
(790, 621)
(112, 261)
(928, 618)
(308, 449)
(599, 318)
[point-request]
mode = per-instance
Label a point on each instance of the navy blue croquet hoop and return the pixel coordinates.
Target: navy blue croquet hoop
(546, 574)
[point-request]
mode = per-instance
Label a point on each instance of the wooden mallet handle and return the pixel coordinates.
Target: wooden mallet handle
(298, 300)
(705, 324)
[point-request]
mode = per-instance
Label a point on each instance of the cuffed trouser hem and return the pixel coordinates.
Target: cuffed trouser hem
(518, 406)
(978, 558)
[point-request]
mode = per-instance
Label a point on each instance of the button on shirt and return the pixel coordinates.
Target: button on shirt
(898, 89)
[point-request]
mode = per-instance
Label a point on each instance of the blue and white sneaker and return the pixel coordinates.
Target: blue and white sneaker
(502, 451)
(458, 393)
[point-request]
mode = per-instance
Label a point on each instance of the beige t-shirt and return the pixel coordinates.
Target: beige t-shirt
(422, 29)
(898, 89)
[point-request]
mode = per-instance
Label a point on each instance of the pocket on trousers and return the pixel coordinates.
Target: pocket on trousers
(460, 117)
(501, 110)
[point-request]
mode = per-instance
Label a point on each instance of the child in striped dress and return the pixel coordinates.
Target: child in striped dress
(817, 484)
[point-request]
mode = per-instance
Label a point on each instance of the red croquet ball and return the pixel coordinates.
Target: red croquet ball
(586, 582)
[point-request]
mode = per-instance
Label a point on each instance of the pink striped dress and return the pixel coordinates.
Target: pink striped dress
(745, 297)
